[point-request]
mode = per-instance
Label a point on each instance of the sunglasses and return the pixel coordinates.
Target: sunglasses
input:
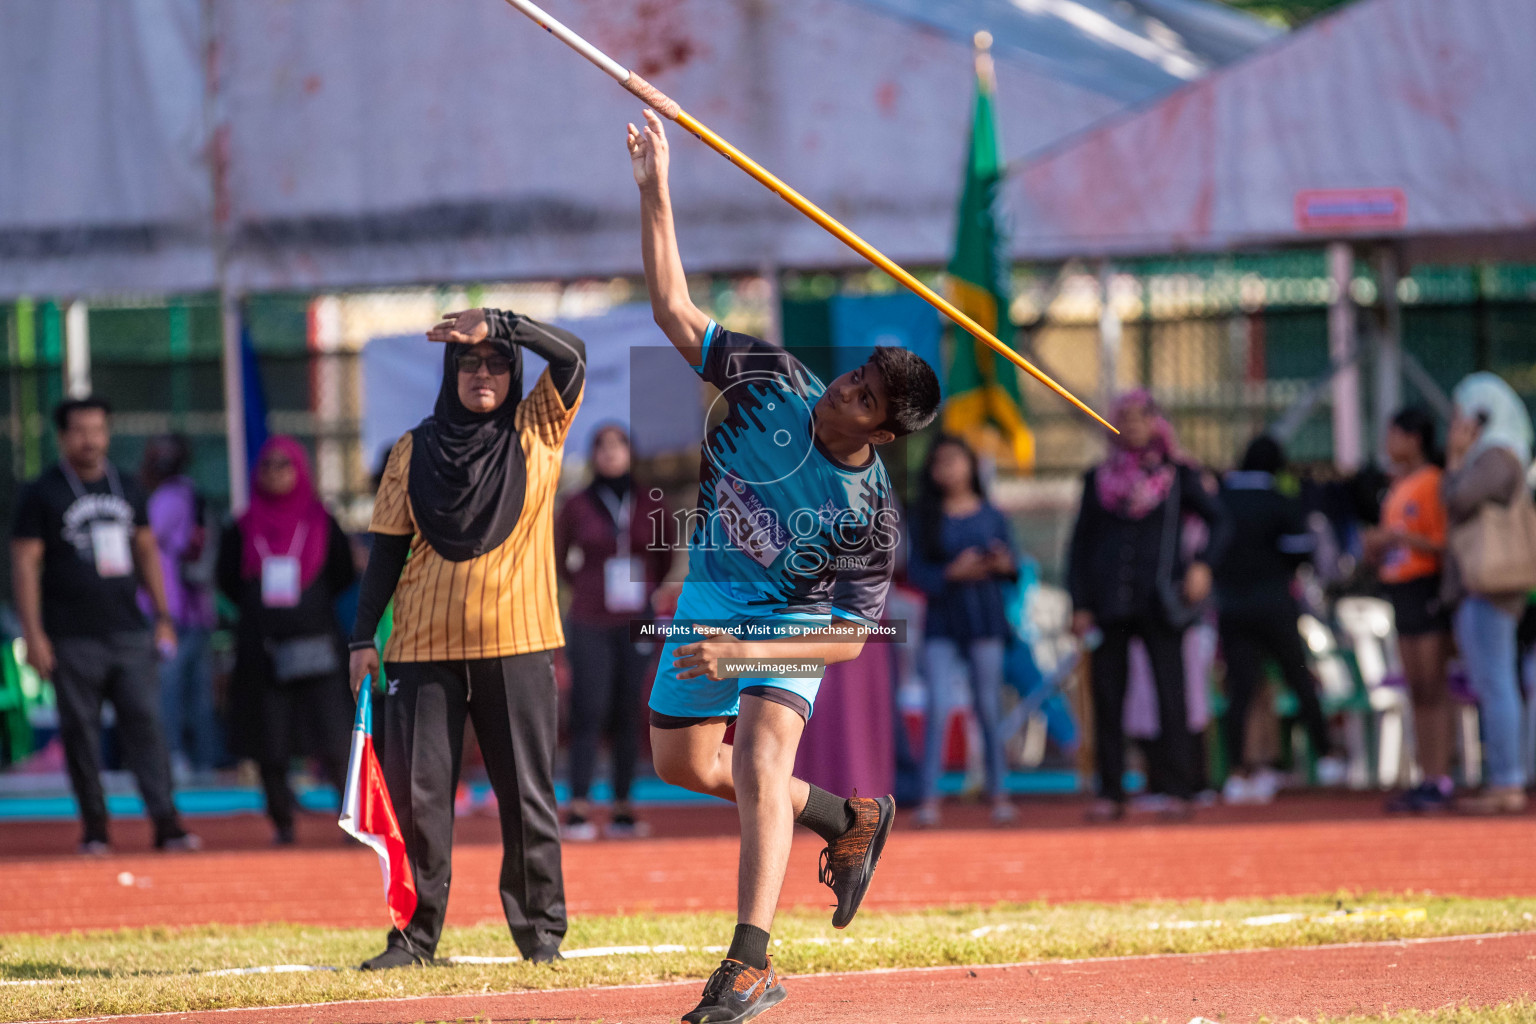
(281, 462)
(494, 365)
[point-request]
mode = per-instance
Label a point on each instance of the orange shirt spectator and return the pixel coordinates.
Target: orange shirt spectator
(1413, 508)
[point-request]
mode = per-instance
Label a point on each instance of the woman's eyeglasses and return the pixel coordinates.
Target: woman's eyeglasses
(282, 462)
(494, 365)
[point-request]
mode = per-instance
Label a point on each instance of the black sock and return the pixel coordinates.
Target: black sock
(827, 815)
(750, 946)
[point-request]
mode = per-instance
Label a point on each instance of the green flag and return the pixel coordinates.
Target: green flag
(984, 405)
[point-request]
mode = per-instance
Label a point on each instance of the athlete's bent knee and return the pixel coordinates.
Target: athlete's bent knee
(682, 771)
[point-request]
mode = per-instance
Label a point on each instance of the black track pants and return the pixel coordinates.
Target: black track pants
(607, 676)
(1246, 644)
(512, 704)
(1172, 752)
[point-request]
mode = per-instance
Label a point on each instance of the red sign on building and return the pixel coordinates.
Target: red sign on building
(1351, 209)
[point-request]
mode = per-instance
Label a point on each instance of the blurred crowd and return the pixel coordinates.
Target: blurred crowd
(1270, 626)
(1217, 636)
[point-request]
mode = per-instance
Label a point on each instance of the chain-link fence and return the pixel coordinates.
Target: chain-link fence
(1227, 345)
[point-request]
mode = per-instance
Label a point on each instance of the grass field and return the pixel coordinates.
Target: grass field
(1520, 1011)
(148, 970)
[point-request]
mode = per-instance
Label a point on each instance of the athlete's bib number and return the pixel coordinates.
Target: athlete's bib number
(748, 523)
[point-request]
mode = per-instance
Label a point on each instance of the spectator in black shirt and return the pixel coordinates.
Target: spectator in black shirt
(81, 531)
(1255, 595)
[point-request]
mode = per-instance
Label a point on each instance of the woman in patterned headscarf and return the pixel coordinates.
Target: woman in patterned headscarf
(1128, 578)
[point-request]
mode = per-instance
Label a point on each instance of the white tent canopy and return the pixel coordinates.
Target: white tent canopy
(1401, 120)
(369, 142)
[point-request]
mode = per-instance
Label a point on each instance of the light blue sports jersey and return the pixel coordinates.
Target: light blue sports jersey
(782, 528)
(783, 533)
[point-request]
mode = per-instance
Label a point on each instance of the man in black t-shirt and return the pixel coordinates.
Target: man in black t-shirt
(80, 532)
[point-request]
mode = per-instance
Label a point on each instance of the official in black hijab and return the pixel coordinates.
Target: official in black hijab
(469, 497)
(468, 477)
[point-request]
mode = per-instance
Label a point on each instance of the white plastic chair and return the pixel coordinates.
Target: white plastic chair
(1372, 629)
(1338, 686)
(1370, 626)
(1056, 651)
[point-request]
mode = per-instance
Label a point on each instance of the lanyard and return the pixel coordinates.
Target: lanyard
(620, 512)
(75, 484)
(294, 547)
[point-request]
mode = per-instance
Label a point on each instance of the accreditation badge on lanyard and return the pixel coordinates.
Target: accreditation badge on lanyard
(109, 545)
(623, 576)
(280, 582)
(110, 549)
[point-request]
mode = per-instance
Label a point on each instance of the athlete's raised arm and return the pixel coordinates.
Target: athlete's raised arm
(680, 320)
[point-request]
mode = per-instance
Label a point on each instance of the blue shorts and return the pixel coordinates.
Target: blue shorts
(702, 697)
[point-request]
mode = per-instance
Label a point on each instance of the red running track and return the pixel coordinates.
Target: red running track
(1297, 847)
(1231, 987)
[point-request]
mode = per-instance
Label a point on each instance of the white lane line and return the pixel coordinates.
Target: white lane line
(1079, 961)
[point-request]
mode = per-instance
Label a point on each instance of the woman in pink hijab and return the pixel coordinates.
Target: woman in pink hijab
(1129, 577)
(284, 563)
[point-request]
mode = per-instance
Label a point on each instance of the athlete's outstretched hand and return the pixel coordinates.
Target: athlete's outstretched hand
(649, 156)
(702, 658)
(467, 327)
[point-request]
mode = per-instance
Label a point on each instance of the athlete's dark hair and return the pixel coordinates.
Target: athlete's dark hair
(64, 410)
(911, 389)
(1418, 421)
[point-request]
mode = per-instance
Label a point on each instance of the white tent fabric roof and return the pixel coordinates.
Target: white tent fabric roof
(373, 142)
(1393, 119)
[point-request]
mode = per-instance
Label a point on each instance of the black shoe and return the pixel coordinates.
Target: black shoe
(1425, 798)
(577, 829)
(737, 992)
(848, 862)
(546, 955)
(392, 957)
(175, 839)
(1103, 810)
(283, 836)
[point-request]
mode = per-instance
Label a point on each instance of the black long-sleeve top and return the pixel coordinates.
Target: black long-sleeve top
(1113, 566)
(565, 353)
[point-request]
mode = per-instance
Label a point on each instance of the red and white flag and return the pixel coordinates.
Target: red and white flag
(369, 817)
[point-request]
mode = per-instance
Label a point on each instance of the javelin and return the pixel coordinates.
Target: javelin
(668, 108)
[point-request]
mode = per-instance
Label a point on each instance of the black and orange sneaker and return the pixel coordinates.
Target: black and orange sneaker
(737, 992)
(848, 862)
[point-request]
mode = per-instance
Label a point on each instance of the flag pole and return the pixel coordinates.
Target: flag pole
(669, 108)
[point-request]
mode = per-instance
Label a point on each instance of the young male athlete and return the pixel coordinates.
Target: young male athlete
(794, 540)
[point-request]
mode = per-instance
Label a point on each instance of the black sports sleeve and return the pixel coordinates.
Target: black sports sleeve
(730, 357)
(859, 594)
(864, 580)
(379, 579)
(565, 353)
